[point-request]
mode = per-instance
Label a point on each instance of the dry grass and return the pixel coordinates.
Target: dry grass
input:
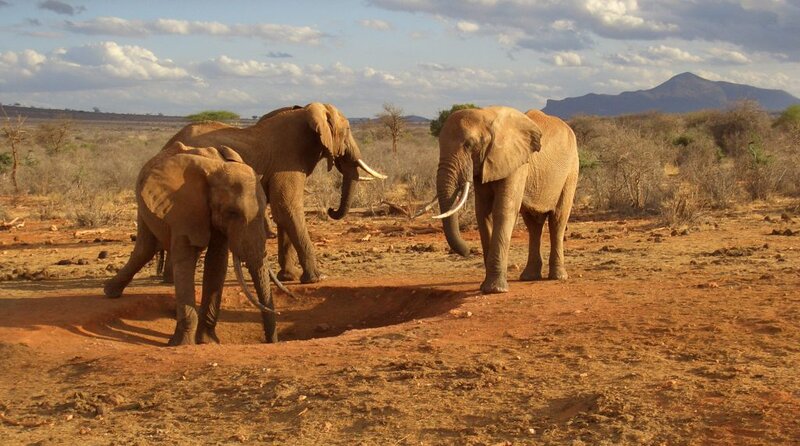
(677, 166)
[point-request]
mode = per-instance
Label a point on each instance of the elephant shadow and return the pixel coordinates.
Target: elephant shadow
(147, 316)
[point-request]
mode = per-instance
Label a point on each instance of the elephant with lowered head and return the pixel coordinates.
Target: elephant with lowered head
(517, 162)
(285, 146)
(190, 199)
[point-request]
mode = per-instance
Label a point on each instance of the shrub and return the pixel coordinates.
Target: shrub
(790, 118)
(213, 115)
(736, 128)
(436, 124)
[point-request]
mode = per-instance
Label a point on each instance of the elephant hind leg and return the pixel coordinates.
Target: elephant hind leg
(534, 221)
(143, 252)
(287, 258)
(558, 226)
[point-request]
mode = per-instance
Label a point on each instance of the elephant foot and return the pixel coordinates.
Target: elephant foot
(288, 275)
(184, 333)
(311, 277)
(531, 275)
(271, 338)
(113, 289)
(494, 286)
(207, 336)
(558, 274)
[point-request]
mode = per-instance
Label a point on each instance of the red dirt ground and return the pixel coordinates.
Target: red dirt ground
(659, 337)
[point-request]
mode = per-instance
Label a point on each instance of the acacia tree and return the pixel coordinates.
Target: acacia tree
(14, 132)
(392, 118)
(436, 124)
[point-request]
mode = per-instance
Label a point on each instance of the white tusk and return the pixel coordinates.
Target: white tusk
(461, 201)
(371, 171)
(367, 178)
(279, 284)
(426, 208)
(237, 266)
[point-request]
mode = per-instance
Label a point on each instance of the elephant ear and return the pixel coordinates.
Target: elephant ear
(230, 155)
(331, 127)
(513, 137)
(176, 191)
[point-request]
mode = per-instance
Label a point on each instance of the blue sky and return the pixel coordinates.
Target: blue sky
(178, 57)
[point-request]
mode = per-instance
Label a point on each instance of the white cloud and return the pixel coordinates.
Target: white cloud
(98, 65)
(226, 66)
(115, 26)
(380, 25)
(567, 59)
(467, 27)
(728, 56)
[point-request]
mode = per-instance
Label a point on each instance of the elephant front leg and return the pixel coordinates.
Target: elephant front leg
(507, 201)
(184, 261)
(484, 198)
(143, 252)
(286, 198)
(287, 258)
(214, 272)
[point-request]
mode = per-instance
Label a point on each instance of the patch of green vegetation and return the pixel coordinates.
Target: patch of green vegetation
(436, 124)
(790, 117)
(213, 115)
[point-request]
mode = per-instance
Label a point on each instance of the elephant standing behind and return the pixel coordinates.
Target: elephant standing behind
(190, 199)
(518, 162)
(285, 146)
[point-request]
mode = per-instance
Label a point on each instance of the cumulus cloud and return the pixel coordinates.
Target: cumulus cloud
(93, 66)
(467, 27)
(60, 7)
(570, 25)
(380, 25)
(116, 26)
(227, 66)
(567, 59)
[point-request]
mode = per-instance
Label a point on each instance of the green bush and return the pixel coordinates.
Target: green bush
(213, 115)
(790, 118)
(436, 124)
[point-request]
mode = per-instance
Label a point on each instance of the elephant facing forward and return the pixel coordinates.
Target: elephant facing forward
(285, 146)
(518, 162)
(190, 199)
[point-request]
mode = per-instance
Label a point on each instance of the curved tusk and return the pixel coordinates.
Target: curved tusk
(371, 171)
(237, 266)
(461, 201)
(367, 178)
(426, 208)
(280, 284)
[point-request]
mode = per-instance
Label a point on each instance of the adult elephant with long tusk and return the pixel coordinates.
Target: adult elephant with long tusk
(191, 199)
(285, 146)
(516, 162)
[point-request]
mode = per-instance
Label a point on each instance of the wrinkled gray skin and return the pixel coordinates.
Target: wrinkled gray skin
(190, 199)
(517, 162)
(285, 146)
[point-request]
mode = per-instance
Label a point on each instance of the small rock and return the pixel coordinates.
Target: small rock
(63, 262)
(786, 217)
(85, 430)
(103, 254)
(768, 218)
(133, 237)
(82, 262)
(301, 398)
(53, 228)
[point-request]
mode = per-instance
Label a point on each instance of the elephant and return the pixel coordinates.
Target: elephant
(285, 146)
(190, 199)
(519, 163)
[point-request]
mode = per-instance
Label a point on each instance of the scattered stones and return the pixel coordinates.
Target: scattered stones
(421, 247)
(103, 255)
(786, 232)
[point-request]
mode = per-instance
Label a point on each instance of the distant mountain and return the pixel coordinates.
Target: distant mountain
(683, 93)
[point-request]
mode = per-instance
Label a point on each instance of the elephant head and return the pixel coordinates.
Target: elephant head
(198, 192)
(340, 149)
(479, 146)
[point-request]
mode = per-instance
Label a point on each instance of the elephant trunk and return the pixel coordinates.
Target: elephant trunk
(448, 179)
(350, 173)
(259, 273)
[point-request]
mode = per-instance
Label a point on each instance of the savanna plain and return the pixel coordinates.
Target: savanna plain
(679, 323)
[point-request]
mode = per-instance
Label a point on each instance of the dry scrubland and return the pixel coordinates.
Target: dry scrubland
(679, 325)
(676, 167)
